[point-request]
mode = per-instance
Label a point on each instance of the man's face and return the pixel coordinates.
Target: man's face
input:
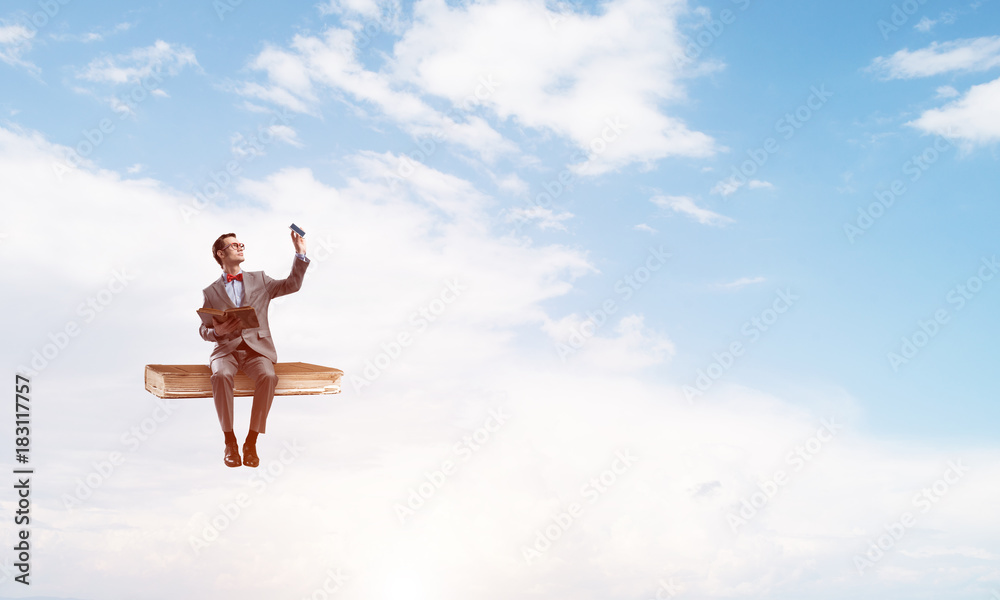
(232, 252)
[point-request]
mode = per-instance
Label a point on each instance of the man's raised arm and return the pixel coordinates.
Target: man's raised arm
(292, 283)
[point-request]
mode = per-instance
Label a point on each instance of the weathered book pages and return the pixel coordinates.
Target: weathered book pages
(195, 381)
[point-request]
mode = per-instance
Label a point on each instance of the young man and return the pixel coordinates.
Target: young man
(249, 350)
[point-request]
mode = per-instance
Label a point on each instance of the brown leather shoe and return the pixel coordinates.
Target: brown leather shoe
(232, 456)
(250, 455)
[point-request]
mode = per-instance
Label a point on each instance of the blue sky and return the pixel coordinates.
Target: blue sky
(540, 153)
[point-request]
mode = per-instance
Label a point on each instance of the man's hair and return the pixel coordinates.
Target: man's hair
(219, 245)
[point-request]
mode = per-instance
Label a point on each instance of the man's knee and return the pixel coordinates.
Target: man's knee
(266, 374)
(268, 378)
(222, 372)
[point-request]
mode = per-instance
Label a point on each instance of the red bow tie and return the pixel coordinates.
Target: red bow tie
(238, 277)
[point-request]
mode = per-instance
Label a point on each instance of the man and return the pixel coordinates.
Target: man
(249, 350)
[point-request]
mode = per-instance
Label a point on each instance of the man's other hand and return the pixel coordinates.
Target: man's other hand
(299, 242)
(226, 327)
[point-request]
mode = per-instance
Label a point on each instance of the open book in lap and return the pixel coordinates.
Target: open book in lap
(246, 314)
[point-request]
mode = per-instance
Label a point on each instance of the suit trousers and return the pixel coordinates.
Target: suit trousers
(260, 370)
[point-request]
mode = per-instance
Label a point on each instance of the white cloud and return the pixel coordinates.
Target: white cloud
(630, 346)
(379, 254)
(546, 218)
(84, 38)
(381, 11)
(730, 185)
(297, 78)
(973, 117)
(92, 36)
(254, 108)
(939, 551)
(15, 41)
(946, 91)
(512, 184)
(924, 25)
(951, 16)
(285, 134)
(977, 54)
(599, 80)
(848, 178)
(686, 205)
(141, 63)
(14, 34)
(644, 227)
(741, 283)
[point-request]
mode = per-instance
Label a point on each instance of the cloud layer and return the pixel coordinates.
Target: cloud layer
(972, 118)
(653, 486)
(600, 81)
(979, 54)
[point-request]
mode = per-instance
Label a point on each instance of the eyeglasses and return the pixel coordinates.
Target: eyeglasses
(236, 245)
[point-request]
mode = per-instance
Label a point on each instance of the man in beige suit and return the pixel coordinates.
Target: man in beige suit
(249, 350)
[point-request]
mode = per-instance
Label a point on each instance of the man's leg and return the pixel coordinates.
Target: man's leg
(261, 370)
(223, 371)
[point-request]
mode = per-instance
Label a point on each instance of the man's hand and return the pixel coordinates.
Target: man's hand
(299, 242)
(226, 327)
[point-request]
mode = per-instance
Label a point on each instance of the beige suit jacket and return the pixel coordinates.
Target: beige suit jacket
(258, 289)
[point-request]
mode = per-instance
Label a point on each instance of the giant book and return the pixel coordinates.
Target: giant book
(195, 381)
